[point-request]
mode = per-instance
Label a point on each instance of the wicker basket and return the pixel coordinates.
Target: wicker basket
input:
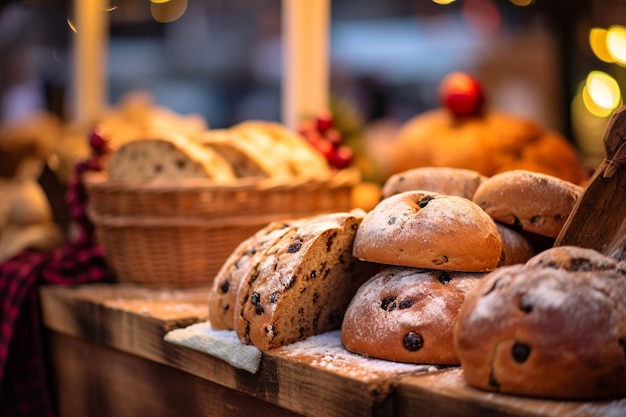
(181, 234)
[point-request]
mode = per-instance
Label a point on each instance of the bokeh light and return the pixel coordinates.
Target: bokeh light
(597, 41)
(165, 11)
(522, 2)
(616, 43)
(601, 94)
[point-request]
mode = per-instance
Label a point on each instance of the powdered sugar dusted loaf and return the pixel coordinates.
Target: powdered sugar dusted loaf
(554, 327)
(407, 315)
(427, 230)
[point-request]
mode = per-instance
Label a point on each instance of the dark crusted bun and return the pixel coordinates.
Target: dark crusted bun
(551, 328)
(407, 315)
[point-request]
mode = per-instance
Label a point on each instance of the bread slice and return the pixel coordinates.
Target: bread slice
(246, 159)
(167, 155)
(226, 283)
(303, 283)
(278, 142)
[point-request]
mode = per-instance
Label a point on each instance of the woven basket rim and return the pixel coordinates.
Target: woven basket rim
(169, 222)
(99, 181)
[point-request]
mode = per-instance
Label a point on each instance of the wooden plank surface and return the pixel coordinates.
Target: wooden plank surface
(98, 381)
(134, 320)
(445, 393)
(120, 329)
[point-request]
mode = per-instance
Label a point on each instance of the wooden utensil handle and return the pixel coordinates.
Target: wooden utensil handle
(598, 220)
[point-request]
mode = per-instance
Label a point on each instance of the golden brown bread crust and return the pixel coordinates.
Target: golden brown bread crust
(573, 258)
(428, 230)
(548, 332)
(535, 202)
(516, 249)
(223, 293)
(492, 143)
(407, 315)
(442, 180)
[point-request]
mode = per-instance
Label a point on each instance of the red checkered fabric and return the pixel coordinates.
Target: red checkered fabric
(24, 388)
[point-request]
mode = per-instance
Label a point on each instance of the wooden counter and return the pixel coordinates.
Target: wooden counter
(109, 359)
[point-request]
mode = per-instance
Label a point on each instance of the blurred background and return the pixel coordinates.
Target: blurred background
(558, 62)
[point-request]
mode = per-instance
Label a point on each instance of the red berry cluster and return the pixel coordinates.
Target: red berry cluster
(322, 134)
(76, 196)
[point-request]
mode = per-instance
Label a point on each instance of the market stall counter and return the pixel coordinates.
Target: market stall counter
(110, 355)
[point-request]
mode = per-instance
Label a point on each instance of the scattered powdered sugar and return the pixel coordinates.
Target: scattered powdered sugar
(615, 408)
(325, 351)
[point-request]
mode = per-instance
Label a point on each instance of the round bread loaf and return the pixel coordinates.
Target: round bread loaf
(407, 315)
(573, 258)
(428, 230)
(545, 332)
(516, 249)
(490, 143)
(441, 180)
(535, 202)
(223, 293)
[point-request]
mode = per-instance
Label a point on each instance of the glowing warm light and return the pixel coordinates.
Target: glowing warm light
(597, 41)
(616, 43)
(71, 25)
(601, 94)
(443, 1)
(165, 11)
(522, 2)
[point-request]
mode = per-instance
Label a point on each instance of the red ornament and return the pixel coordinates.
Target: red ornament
(461, 94)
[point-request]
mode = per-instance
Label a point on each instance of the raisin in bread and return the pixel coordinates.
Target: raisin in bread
(226, 283)
(303, 283)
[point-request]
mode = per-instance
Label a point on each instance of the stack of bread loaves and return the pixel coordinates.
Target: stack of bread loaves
(438, 244)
